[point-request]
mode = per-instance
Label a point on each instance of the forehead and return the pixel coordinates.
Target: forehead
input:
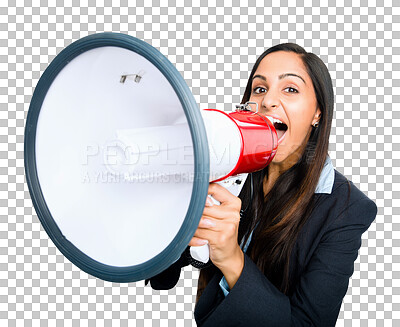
(277, 63)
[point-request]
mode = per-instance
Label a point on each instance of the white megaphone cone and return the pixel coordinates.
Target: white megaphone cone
(118, 157)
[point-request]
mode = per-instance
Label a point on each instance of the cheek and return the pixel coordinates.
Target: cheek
(300, 126)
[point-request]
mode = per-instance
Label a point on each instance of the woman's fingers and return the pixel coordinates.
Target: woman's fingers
(208, 228)
(222, 195)
(195, 241)
(212, 234)
(230, 204)
(219, 224)
(206, 222)
(228, 211)
(221, 213)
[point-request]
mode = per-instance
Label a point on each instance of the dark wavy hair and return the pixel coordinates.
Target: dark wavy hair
(280, 215)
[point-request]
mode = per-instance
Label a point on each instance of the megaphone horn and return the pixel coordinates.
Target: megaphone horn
(118, 157)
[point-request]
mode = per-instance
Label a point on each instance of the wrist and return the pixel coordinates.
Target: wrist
(232, 269)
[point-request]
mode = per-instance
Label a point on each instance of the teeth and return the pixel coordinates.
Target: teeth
(270, 119)
(274, 120)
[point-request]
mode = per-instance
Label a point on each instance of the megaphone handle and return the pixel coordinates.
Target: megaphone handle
(202, 253)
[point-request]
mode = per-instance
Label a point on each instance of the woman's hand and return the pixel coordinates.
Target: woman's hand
(219, 227)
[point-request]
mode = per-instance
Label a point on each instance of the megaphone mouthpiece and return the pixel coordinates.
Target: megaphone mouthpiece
(251, 135)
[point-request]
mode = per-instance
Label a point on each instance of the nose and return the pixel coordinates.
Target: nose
(270, 100)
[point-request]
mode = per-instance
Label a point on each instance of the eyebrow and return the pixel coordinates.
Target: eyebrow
(280, 76)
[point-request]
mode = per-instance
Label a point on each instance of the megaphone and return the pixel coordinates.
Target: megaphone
(118, 156)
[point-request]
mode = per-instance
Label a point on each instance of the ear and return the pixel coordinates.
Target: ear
(316, 116)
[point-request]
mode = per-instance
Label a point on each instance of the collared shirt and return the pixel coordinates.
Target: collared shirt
(325, 185)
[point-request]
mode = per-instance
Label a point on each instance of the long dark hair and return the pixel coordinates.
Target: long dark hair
(281, 214)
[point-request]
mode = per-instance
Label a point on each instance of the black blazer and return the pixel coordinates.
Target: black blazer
(321, 264)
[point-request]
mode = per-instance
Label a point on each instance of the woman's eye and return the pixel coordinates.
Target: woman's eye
(291, 90)
(259, 90)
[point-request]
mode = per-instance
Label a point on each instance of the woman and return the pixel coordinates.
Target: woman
(287, 257)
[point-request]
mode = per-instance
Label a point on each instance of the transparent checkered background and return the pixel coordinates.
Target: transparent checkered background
(214, 47)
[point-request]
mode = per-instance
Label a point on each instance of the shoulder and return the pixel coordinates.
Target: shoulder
(344, 188)
(344, 214)
(347, 200)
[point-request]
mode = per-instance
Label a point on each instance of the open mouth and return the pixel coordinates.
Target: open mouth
(280, 128)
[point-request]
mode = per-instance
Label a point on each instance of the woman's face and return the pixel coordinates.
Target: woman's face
(283, 90)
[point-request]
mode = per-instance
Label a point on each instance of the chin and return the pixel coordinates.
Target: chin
(289, 158)
(279, 157)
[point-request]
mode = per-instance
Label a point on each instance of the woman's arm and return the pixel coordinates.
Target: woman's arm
(316, 301)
